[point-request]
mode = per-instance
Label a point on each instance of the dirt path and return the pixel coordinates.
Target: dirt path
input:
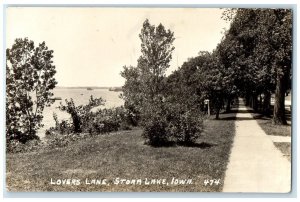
(255, 165)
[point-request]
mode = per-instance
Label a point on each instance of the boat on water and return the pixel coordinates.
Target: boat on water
(89, 88)
(117, 89)
(56, 98)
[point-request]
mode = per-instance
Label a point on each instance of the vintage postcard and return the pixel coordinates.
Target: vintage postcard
(141, 99)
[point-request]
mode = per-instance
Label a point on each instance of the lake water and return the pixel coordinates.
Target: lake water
(80, 96)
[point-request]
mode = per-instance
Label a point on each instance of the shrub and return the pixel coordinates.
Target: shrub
(98, 122)
(103, 121)
(125, 117)
(85, 120)
(63, 127)
(154, 121)
(167, 122)
(155, 131)
(185, 127)
(108, 120)
(80, 114)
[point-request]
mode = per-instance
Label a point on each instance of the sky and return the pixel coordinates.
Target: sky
(91, 45)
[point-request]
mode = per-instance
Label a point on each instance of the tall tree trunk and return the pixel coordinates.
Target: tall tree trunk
(218, 108)
(247, 100)
(228, 104)
(267, 103)
(279, 109)
(218, 113)
(255, 102)
(251, 101)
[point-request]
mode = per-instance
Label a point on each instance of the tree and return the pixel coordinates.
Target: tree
(185, 85)
(29, 81)
(237, 53)
(261, 47)
(216, 83)
(132, 93)
(144, 89)
(281, 40)
(144, 83)
(202, 77)
(156, 49)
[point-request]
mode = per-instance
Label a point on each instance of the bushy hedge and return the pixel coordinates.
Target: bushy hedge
(81, 114)
(93, 123)
(155, 124)
(185, 126)
(85, 120)
(165, 123)
(107, 120)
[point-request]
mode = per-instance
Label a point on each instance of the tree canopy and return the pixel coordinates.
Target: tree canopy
(29, 81)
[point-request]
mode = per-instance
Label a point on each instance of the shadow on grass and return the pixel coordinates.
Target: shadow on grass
(260, 115)
(202, 145)
(165, 144)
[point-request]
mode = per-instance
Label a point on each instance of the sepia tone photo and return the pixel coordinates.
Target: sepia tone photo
(137, 99)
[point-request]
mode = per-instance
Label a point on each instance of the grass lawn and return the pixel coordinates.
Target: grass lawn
(277, 130)
(285, 148)
(271, 129)
(124, 155)
(266, 124)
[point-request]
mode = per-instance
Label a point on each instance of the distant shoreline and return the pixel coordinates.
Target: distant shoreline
(83, 87)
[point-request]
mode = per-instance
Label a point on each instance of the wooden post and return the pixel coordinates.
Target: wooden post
(208, 109)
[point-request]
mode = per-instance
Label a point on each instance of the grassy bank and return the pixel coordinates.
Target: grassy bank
(124, 155)
(285, 148)
(277, 130)
(270, 129)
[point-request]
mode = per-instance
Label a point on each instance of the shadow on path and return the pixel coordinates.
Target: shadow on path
(245, 118)
(239, 114)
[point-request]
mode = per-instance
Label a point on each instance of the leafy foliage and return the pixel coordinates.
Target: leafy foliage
(171, 122)
(202, 77)
(184, 124)
(80, 114)
(108, 120)
(88, 119)
(145, 81)
(29, 81)
(132, 93)
(151, 96)
(258, 46)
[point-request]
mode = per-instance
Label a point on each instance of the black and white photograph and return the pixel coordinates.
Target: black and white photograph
(148, 99)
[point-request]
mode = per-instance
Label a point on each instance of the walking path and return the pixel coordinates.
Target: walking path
(255, 165)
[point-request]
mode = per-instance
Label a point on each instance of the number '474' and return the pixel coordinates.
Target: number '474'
(212, 182)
